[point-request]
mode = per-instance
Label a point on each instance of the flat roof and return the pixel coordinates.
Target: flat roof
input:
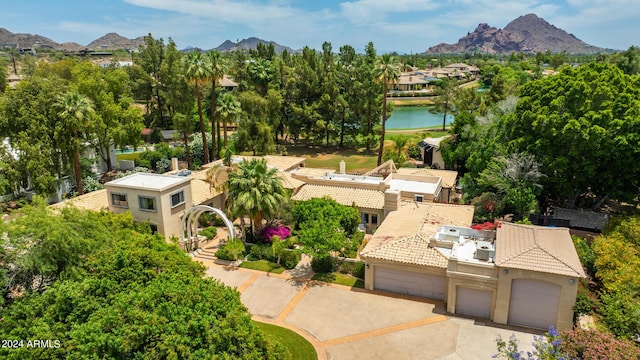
(149, 181)
(414, 186)
(355, 178)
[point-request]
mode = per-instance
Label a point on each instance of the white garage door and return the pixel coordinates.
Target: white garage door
(534, 303)
(473, 302)
(410, 283)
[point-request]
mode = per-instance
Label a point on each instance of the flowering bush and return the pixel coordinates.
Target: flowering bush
(269, 232)
(546, 347)
(594, 344)
(575, 344)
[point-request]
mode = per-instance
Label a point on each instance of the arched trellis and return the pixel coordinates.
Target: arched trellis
(189, 224)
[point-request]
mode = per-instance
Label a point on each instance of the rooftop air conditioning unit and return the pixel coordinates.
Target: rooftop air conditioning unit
(418, 198)
(483, 250)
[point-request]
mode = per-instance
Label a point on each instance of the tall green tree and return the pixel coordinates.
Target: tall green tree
(387, 71)
(216, 67)
(255, 190)
(583, 125)
(196, 72)
(445, 99)
(74, 129)
(228, 108)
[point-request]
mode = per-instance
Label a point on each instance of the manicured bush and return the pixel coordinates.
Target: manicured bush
(323, 263)
(352, 268)
(233, 250)
(260, 252)
(290, 258)
(209, 232)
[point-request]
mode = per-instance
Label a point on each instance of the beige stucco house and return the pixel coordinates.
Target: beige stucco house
(159, 199)
(519, 274)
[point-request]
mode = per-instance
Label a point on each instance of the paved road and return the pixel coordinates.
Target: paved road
(346, 323)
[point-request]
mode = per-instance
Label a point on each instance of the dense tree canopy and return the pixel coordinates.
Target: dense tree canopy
(583, 125)
(106, 288)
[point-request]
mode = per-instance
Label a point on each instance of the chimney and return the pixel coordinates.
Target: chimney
(342, 167)
(174, 164)
(391, 201)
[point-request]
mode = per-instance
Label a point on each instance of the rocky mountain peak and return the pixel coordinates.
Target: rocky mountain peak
(528, 33)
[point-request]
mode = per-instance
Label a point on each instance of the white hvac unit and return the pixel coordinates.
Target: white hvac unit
(483, 250)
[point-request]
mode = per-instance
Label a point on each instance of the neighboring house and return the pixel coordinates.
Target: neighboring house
(227, 83)
(520, 274)
(159, 199)
(412, 81)
(430, 149)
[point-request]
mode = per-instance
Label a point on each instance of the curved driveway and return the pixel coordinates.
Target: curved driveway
(348, 323)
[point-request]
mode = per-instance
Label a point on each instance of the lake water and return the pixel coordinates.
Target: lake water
(415, 117)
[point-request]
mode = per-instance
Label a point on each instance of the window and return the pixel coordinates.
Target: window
(365, 218)
(119, 200)
(419, 198)
(374, 219)
(147, 203)
(177, 198)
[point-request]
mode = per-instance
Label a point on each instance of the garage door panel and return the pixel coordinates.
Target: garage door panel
(410, 283)
(534, 303)
(473, 302)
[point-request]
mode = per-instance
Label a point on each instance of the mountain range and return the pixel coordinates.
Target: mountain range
(527, 34)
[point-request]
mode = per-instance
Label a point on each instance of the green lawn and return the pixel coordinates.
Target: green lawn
(296, 347)
(133, 156)
(330, 157)
(340, 279)
(263, 265)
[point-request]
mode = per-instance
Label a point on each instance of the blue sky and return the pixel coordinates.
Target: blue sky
(405, 26)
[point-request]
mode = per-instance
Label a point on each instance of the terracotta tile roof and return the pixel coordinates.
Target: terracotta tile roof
(288, 182)
(537, 248)
(410, 229)
(448, 176)
(95, 200)
(362, 198)
(313, 172)
(410, 250)
(282, 163)
(201, 191)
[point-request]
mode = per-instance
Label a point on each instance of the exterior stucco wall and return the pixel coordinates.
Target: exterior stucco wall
(567, 295)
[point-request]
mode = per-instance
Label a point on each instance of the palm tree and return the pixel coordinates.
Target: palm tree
(228, 108)
(399, 145)
(195, 72)
(256, 191)
(75, 113)
(387, 71)
(216, 67)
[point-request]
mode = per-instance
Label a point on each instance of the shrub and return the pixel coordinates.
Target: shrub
(233, 250)
(323, 263)
(163, 165)
(260, 252)
(586, 301)
(415, 152)
(290, 258)
(281, 231)
(595, 345)
(352, 268)
(209, 232)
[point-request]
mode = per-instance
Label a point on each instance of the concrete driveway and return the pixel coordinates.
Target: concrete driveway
(346, 323)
